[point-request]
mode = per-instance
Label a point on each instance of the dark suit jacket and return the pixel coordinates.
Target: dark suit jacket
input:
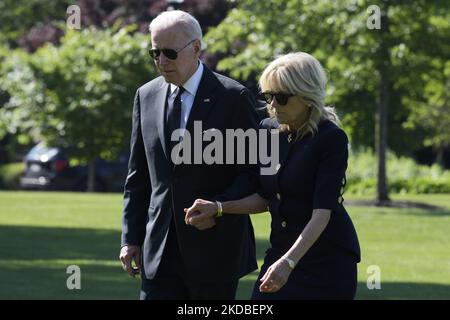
(311, 176)
(155, 188)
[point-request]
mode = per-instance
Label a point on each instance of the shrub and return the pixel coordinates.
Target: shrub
(403, 175)
(10, 175)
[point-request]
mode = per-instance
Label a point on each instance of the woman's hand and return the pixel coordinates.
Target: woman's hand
(275, 277)
(201, 214)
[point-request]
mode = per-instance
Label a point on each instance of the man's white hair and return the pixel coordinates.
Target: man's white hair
(190, 26)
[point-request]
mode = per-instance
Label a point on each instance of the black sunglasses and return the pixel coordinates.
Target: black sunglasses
(169, 53)
(282, 98)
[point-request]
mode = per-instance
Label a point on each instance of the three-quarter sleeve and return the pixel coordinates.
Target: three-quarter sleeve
(330, 178)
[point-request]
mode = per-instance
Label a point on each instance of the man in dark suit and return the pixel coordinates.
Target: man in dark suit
(177, 261)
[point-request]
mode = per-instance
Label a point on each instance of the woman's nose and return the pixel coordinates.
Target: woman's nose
(275, 103)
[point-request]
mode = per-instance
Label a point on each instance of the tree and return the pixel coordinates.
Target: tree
(60, 92)
(428, 103)
(18, 17)
(31, 23)
(433, 113)
(79, 94)
(371, 69)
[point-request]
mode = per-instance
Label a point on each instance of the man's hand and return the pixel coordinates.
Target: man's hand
(127, 255)
(204, 223)
(201, 214)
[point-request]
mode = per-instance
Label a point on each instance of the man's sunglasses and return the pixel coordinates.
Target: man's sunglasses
(282, 98)
(169, 53)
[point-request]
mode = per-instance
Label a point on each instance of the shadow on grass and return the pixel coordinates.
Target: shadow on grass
(407, 207)
(34, 260)
(394, 204)
(427, 213)
(30, 243)
(388, 291)
(404, 290)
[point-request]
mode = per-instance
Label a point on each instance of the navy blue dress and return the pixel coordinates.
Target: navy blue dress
(311, 175)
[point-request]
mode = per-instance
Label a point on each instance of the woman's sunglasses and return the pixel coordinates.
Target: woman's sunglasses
(169, 53)
(282, 98)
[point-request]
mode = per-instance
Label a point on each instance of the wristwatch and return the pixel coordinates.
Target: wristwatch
(290, 262)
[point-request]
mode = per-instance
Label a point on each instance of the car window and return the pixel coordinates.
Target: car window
(40, 149)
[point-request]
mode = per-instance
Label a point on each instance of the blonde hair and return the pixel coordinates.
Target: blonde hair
(302, 75)
(190, 26)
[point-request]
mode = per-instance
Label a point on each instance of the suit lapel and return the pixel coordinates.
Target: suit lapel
(201, 107)
(204, 99)
(160, 103)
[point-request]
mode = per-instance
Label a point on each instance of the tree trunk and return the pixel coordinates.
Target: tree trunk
(440, 156)
(381, 119)
(91, 177)
(381, 141)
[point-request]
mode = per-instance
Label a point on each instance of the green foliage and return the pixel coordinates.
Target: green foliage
(403, 174)
(18, 16)
(335, 32)
(4, 51)
(432, 111)
(21, 114)
(10, 175)
(78, 94)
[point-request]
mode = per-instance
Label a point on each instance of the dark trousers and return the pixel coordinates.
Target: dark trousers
(171, 281)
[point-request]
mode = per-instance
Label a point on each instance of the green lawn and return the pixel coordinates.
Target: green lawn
(43, 233)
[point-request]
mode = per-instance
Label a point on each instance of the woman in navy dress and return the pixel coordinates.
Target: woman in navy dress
(314, 246)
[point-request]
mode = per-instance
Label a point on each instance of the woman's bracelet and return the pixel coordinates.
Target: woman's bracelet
(219, 209)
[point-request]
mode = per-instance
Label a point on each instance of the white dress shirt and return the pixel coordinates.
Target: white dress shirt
(187, 97)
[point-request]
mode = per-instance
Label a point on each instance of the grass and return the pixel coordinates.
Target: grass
(42, 233)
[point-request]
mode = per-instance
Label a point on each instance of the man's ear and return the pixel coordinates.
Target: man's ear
(197, 47)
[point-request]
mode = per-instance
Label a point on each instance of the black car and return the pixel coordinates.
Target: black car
(48, 168)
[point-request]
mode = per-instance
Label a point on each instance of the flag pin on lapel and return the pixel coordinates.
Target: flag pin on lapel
(206, 100)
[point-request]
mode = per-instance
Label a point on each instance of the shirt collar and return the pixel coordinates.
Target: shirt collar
(193, 83)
